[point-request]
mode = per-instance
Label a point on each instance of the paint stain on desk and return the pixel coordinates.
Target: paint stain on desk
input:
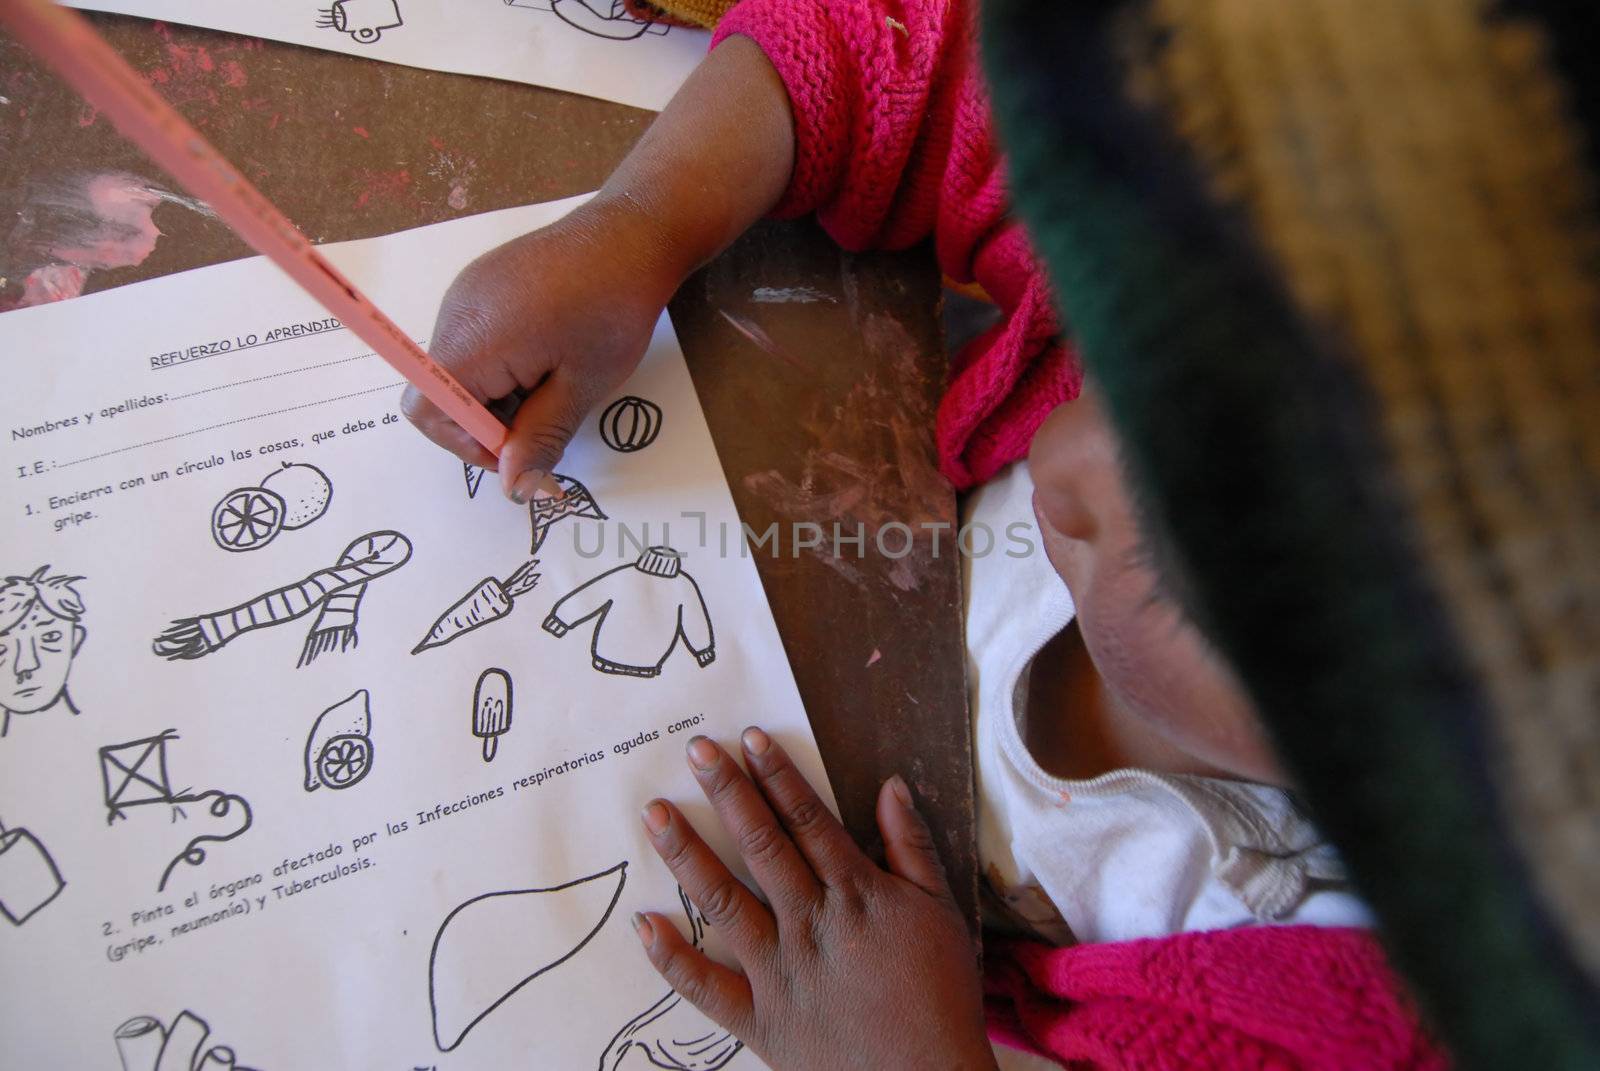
(383, 186)
(196, 73)
(455, 170)
(868, 468)
(75, 224)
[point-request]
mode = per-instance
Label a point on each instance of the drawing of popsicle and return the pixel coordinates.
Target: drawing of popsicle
(488, 602)
(491, 710)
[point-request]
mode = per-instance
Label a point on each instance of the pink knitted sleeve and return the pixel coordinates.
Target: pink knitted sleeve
(865, 78)
(1278, 997)
(893, 143)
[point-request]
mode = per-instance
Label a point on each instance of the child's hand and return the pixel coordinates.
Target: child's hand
(566, 312)
(851, 966)
(563, 314)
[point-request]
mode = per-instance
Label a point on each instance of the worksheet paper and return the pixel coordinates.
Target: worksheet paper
(311, 758)
(593, 47)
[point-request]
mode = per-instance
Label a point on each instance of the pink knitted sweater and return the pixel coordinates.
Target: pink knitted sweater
(1280, 997)
(894, 143)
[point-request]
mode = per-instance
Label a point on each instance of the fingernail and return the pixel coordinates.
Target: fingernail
(755, 741)
(703, 753)
(655, 816)
(901, 790)
(642, 927)
(526, 486)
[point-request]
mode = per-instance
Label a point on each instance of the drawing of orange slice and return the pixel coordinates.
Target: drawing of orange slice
(344, 760)
(247, 518)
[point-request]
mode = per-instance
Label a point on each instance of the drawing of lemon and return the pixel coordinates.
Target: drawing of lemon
(305, 490)
(248, 518)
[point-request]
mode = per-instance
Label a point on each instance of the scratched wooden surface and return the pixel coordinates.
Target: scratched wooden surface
(819, 371)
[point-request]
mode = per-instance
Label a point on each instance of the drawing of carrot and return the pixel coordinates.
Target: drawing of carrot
(337, 589)
(489, 601)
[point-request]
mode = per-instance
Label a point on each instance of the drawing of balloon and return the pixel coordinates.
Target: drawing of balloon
(339, 746)
(291, 497)
(630, 423)
(493, 945)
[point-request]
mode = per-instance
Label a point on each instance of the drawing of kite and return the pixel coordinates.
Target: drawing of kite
(135, 775)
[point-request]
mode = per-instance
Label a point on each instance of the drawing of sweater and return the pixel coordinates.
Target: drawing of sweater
(642, 610)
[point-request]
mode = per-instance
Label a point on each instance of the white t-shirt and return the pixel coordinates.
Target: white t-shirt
(1130, 853)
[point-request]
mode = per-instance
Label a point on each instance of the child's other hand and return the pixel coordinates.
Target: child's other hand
(563, 314)
(851, 966)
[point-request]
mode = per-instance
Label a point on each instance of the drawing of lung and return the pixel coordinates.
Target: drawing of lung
(144, 1044)
(135, 775)
(601, 18)
(364, 20)
(339, 746)
(41, 631)
(642, 610)
(493, 945)
(672, 1033)
(29, 879)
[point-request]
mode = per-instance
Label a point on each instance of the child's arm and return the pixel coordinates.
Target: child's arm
(844, 108)
(565, 313)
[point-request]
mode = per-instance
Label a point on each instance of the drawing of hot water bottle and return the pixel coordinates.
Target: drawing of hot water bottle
(364, 20)
(28, 876)
(339, 747)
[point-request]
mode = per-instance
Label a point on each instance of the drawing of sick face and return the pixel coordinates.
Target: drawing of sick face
(40, 633)
(37, 655)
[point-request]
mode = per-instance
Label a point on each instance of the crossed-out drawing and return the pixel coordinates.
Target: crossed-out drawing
(41, 630)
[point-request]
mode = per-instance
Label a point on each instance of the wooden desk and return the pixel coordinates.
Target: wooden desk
(821, 408)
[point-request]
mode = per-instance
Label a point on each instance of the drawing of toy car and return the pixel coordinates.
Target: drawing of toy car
(364, 20)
